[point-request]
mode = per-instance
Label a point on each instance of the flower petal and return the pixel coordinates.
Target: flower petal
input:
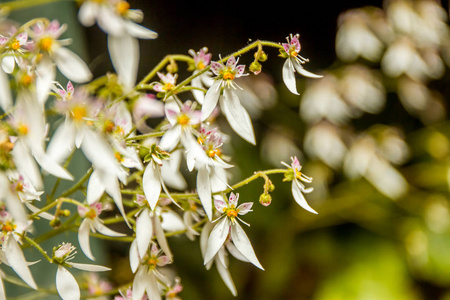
(303, 72)
(151, 184)
(144, 231)
(204, 190)
(211, 98)
(71, 65)
(16, 260)
(226, 277)
(66, 285)
(89, 267)
(216, 239)
(289, 76)
(5, 92)
(138, 31)
(124, 53)
(242, 243)
(299, 198)
(237, 116)
(83, 239)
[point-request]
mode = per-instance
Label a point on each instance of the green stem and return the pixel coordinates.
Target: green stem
(77, 185)
(22, 4)
(37, 246)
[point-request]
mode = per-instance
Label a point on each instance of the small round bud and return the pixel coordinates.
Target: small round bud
(255, 67)
(64, 213)
(172, 68)
(262, 56)
(265, 199)
(55, 223)
(271, 187)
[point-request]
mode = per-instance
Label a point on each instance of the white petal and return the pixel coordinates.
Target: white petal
(66, 285)
(62, 142)
(237, 116)
(83, 239)
(170, 139)
(26, 164)
(171, 174)
(95, 188)
(299, 198)
(144, 232)
(71, 65)
(216, 239)
(204, 190)
(151, 287)
(105, 230)
(89, 267)
(211, 98)
(138, 31)
(289, 76)
(303, 72)
(8, 64)
(16, 260)
(87, 13)
(5, 92)
(235, 252)
(151, 184)
(134, 256)
(124, 53)
(46, 73)
(242, 243)
(139, 283)
(2, 290)
(161, 238)
(226, 277)
(50, 166)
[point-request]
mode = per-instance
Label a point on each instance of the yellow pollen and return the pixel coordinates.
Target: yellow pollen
(78, 113)
(22, 129)
(26, 80)
(91, 214)
(118, 157)
(183, 119)
(122, 7)
(46, 43)
(109, 126)
(151, 261)
(193, 206)
(232, 213)
(15, 44)
(200, 65)
(200, 140)
(294, 53)
(8, 227)
(228, 76)
(211, 153)
(168, 86)
(19, 187)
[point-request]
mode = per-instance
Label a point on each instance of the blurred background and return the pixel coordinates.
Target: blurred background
(373, 133)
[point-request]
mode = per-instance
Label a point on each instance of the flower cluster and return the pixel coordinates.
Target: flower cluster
(136, 168)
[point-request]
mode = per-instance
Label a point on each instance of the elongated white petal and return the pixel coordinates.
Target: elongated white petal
(138, 31)
(16, 260)
(198, 95)
(289, 76)
(50, 166)
(161, 238)
(83, 239)
(216, 239)
(151, 287)
(170, 139)
(303, 72)
(299, 198)
(2, 290)
(204, 190)
(11, 200)
(210, 101)
(87, 12)
(44, 214)
(89, 267)
(95, 188)
(71, 65)
(144, 231)
(124, 53)
(139, 283)
(8, 64)
(235, 252)
(5, 92)
(66, 285)
(226, 277)
(237, 116)
(171, 174)
(105, 230)
(46, 73)
(134, 256)
(242, 243)
(62, 142)
(26, 164)
(151, 184)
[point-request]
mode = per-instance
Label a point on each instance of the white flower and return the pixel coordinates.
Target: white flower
(294, 63)
(66, 284)
(201, 61)
(236, 115)
(92, 223)
(14, 45)
(227, 224)
(298, 188)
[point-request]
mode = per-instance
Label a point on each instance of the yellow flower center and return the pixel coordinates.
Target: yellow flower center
(232, 213)
(122, 7)
(78, 113)
(91, 214)
(118, 156)
(200, 65)
(22, 129)
(152, 261)
(46, 43)
(183, 119)
(228, 75)
(15, 44)
(26, 80)
(109, 126)
(8, 226)
(294, 53)
(19, 186)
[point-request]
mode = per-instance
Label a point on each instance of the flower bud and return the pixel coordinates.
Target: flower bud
(55, 223)
(265, 199)
(255, 67)
(262, 56)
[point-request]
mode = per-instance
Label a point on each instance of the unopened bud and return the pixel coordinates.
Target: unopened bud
(262, 56)
(55, 223)
(271, 187)
(255, 67)
(172, 68)
(265, 199)
(64, 213)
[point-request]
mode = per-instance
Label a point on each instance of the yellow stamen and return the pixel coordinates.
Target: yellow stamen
(46, 43)
(228, 76)
(109, 126)
(8, 227)
(200, 65)
(118, 156)
(26, 80)
(122, 7)
(22, 129)
(78, 113)
(183, 119)
(15, 44)
(91, 214)
(232, 213)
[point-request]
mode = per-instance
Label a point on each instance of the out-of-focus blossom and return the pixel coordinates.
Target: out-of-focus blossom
(146, 107)
(276, 147)
(295, 175)
(97, 286)
(294, 63)
(14, 46)
(355, 38)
